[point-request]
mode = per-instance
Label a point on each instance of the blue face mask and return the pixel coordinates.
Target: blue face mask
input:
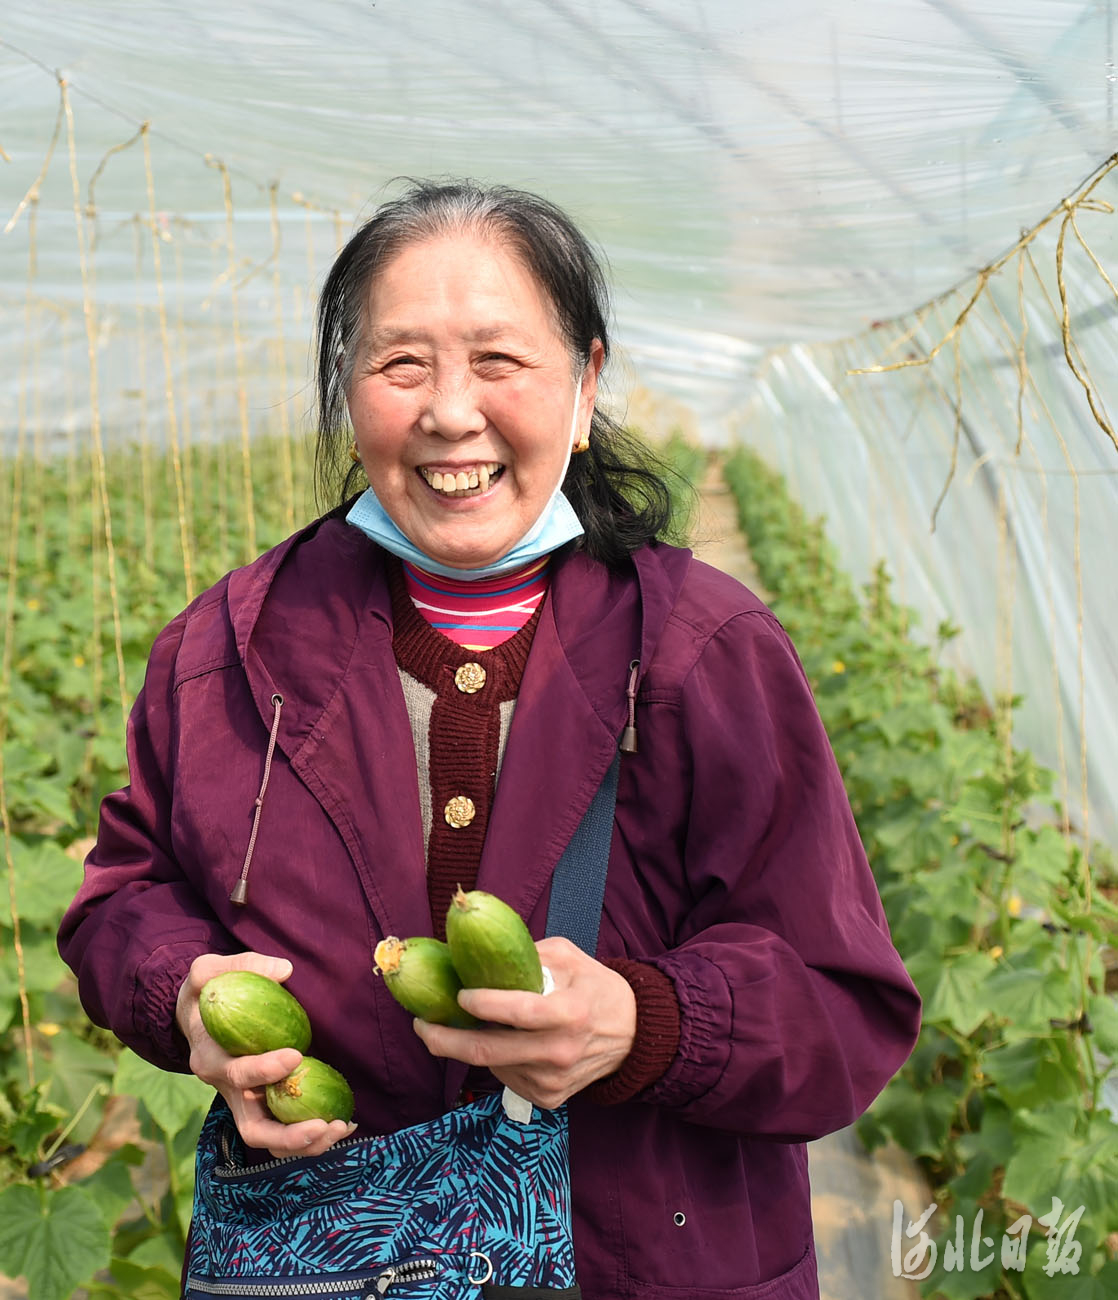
(557, 525)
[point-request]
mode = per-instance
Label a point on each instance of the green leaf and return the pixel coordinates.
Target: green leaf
(111, 1186)
(950, 887)
(158, 1251)
(917, 1121)
(33, 1121)
(932, 1051)
(1080, 1285)
(908, 720)
(1030, 998)
(1103, 1011)
(75, 1068)
(957, 996)
(56, 1240)
(182, 1155)
(976, 1178)
(171, 1099)
(922, 853)
(995, 1132)
(920, 931)
(42, 966)
(1055, 1159)
(46, 879)
(145, 1282)
(108, 749)
(1042, 855)
(1075, 917)
(1103, 907)
(44, 797)
(959, 1245)
(977, 811)
(871, 1134)
(1032, 1072)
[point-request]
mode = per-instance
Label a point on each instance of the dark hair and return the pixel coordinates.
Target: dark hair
(619, 488)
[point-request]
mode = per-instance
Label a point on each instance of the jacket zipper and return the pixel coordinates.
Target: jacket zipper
(412, 1270)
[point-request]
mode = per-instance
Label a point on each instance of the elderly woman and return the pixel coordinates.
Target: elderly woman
(424, 689)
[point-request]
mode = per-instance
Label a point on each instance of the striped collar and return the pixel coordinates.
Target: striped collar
(481, 614)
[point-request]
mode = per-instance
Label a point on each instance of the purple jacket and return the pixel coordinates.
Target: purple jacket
(735, 867)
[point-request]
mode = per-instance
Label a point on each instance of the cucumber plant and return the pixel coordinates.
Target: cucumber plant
(1002, 915)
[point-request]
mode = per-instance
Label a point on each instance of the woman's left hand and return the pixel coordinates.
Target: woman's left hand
(554, 1046)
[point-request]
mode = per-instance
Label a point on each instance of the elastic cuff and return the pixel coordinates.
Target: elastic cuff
(157, 984)
(657, 1038)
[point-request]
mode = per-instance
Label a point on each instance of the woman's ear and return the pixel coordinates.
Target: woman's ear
(589, 389)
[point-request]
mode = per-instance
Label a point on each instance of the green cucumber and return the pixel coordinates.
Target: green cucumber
(490, 945)
(313, 1090)
(247, 1014)
(421, 977)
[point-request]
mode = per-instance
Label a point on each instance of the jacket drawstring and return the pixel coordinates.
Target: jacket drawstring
(239, 892)
(629, 735)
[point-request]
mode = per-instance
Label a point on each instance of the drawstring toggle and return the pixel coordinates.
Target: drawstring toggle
(629, 735)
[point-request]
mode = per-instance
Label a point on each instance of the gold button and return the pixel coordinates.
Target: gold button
(459, 811)
(470, 678)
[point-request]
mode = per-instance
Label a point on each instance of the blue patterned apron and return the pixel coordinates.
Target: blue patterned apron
(473, 1204)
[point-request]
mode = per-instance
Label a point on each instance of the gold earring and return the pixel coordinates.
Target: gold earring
(354, 454)
(583, 444)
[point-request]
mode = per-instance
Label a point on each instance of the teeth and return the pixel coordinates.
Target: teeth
(462, 480)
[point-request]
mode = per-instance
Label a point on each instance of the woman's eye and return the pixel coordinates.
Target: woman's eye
(399, 362)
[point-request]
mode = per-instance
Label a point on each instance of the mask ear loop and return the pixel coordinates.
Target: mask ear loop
(541, 523)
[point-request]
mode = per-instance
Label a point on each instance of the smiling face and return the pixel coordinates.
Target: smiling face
(462, 397)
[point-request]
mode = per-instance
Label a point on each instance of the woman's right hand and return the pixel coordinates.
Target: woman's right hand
(241, 1079)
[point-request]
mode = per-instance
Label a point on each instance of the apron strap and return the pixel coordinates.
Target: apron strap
(579, 883)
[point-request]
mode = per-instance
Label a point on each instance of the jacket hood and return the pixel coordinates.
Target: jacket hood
(296, 614)
(304, 610)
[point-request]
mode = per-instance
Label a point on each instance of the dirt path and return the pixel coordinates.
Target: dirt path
(852, 1193)
(717, 538)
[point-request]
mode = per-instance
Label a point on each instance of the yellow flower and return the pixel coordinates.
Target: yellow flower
(34, 604)
(79, 661)
(49, 1028)
(1014, 905)
(838, 666)
(996, 951)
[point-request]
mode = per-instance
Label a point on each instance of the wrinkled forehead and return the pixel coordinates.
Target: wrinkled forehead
(461, 246)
